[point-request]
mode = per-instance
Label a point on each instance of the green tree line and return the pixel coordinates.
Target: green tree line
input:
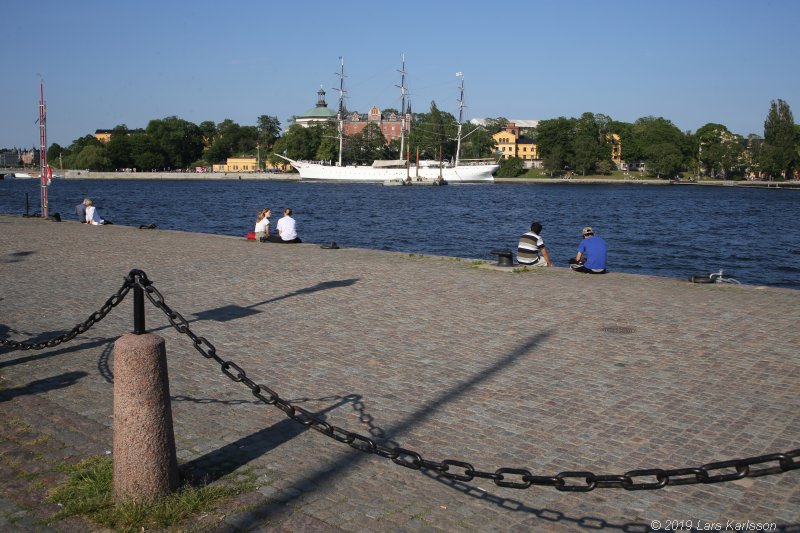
(580, 145)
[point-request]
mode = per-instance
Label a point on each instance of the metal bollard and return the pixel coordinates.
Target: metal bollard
(138, 311)
(505, 258)
(145, 463)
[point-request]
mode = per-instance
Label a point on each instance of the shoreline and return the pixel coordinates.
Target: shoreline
(294, 177)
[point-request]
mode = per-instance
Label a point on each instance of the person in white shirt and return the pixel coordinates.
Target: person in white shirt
(92, 216)
(262, 225)
(287, 228)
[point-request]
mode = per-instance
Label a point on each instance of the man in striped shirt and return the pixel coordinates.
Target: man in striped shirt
(531, 250)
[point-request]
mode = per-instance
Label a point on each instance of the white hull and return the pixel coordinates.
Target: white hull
(367, 174)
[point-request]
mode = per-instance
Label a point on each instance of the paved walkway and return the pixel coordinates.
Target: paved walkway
(548, 370)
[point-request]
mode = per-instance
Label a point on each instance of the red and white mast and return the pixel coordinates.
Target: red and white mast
(43, 143)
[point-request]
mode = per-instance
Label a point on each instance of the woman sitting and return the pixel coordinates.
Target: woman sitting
(262, 227)
(92, 216)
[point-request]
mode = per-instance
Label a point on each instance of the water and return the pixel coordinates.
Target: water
(752, 234)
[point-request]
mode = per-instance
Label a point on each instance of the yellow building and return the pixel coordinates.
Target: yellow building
(103, 135)
(616, 148)
(249, 164)
(510, 143)
(237, 164)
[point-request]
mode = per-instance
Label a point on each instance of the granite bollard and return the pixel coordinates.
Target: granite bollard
(145, 464)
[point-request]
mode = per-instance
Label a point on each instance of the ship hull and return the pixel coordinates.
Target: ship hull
(369, 174)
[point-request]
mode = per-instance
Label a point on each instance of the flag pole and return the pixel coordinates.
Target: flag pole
(43, 147)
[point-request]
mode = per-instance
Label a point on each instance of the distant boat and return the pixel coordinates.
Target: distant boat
(461, 171)
(25, 175)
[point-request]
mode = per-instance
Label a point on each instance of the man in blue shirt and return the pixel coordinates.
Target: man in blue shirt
(591, 258)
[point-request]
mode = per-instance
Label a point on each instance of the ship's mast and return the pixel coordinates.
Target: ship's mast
(340, 114)
(43, 146)
(460, 115)
(403, 92)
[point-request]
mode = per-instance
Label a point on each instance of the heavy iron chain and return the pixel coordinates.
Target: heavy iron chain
(82, 327)
(515, 478)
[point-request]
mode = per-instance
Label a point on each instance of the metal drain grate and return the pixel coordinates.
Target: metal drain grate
(619, 330)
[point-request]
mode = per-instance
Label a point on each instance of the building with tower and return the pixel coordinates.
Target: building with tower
(319, 113)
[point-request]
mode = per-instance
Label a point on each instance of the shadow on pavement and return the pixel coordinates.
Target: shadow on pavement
(42, 385)
(229, 312)
(230, 457)
(15, 257)
(329, 472)
(232, 312)
(47, 354)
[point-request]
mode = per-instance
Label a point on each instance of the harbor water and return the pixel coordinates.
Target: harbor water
(753, 235)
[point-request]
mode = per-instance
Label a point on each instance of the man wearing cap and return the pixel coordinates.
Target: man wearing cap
(591, 258)
(531, 250)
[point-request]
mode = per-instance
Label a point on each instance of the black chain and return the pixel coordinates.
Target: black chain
(82, 327)
(515, 478)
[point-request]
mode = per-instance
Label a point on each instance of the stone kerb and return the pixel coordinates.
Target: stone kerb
(145, 463)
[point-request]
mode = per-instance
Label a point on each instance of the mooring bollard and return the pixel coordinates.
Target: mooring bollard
(145, 464)
(505, 258)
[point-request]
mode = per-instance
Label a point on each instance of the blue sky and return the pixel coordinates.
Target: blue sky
(106, 63)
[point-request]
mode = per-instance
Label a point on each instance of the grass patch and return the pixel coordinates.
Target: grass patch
(89, 493)
(41, 439)
(19, 423)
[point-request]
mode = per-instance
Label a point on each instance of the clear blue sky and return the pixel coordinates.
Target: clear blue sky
(106, 63)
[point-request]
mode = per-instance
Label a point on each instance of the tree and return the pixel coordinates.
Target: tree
(554, 138)
(299, 142)
(434, 134)
(180, 141)
(477, 141)
(779, 152)
(664, 159)
(118, 149)
(328, 149)
(367, 146)
(587, 144)
(224, 142)
(145, 154)
(269, 129)
(510, 168)
(719, 152)
(663, 147)
(53, 153)
(92, 157)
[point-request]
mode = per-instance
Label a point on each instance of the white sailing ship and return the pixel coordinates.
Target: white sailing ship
(399, 171)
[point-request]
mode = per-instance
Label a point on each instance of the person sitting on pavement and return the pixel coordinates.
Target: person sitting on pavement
(92, 216)
(591, 258)
(531, 250)
(287, 228)
(262, 225)
(80, 210)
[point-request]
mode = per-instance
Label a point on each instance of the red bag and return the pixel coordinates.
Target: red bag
(251, 235)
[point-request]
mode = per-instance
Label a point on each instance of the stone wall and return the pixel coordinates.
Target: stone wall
(86, 174)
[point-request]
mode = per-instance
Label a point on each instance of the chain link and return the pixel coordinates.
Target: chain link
(78, 329)
(516, 478)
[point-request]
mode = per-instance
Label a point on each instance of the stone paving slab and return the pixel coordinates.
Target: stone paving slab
(546, 370)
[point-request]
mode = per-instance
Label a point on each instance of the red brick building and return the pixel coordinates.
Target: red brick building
(391, 125)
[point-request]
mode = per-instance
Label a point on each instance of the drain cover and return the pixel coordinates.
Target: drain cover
(619, 330)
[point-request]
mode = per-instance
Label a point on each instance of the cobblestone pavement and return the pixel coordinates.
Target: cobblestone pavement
(548, 370)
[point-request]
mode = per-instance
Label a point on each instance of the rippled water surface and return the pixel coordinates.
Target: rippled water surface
(674, 231)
